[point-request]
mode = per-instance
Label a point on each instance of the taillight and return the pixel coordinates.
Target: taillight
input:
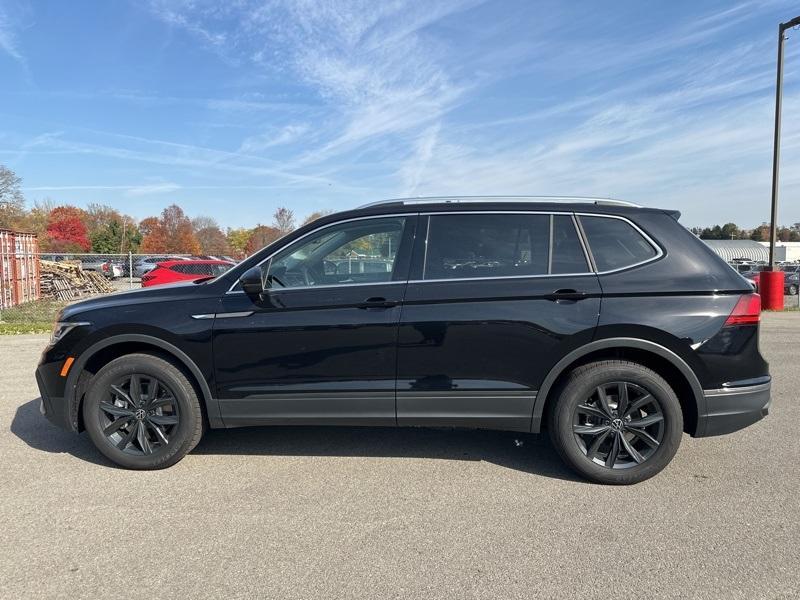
(746, 312)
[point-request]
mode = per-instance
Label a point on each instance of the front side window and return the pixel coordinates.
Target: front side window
(362, 251)
(615, 243)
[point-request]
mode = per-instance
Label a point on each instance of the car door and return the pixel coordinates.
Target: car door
(319, 345)
(494, 301)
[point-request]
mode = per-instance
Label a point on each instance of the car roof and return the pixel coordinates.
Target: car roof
(500, 203)
(199, 261)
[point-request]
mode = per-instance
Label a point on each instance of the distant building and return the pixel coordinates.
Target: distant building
(785, 251)
(731, 250)
(751, 250)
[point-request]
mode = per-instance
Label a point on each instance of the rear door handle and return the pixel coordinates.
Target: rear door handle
(566, 295)
(378, 302)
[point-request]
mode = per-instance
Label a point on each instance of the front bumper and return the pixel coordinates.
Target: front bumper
(734, 407)
(56, 409)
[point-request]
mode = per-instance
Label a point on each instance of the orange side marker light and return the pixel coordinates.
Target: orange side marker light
(67, 365)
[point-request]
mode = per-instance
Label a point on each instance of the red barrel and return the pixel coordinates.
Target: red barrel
(770, 286)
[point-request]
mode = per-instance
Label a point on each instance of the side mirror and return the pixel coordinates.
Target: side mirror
(252, 285)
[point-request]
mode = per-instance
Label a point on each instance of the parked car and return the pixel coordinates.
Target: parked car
(791, 283)
(148, 263)
(609, 325)
(171, 271)
(102, 265)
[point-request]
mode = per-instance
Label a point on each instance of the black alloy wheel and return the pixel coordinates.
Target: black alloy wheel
(619, 426)
(143, 412)
(616, 421)
(139, 414)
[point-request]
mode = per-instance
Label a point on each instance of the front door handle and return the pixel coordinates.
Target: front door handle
(378, 302)
(566, 295)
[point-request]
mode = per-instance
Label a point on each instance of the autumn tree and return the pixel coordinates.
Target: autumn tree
(66, 231)
(36, 219)
(283, 220)
(238, 239)
(12, 202)
(203, 222)
(260, 236)
(760, 233)
(317, 214)
(212, 241)
(171, 233)
(111, 232)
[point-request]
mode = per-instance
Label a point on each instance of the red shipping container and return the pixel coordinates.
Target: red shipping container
(19, 268)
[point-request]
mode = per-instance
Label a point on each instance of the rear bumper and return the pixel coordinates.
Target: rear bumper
(734, 407)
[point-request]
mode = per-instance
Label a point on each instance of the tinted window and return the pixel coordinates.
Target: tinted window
(481, 245)
(615, 243)
(362, 251)
(568, 255)
(217, 270)
(197, 269)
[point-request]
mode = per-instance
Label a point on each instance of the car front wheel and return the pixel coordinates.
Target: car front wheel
(142, 412)
(616, 422)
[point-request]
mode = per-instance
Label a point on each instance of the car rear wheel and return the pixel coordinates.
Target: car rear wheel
(616, 422)
(792, 290)
(142, 412)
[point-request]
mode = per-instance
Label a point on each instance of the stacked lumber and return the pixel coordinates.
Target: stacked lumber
(66, 280)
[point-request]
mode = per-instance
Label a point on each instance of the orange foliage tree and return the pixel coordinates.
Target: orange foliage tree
(261, 235)
(171, 233)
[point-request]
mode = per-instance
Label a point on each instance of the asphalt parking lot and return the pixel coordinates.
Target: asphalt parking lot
(379, 513)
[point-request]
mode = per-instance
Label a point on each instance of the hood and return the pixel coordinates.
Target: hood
(164, 293)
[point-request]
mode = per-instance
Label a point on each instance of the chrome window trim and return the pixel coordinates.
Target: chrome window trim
(550, 246)
(659, 251)
(585, 244)
(576, 220)
(427, 235)
(543, 275)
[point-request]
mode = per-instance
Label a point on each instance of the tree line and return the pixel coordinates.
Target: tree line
(731, 231)
(106, 230)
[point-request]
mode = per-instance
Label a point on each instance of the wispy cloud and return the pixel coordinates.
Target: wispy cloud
(8, 35)
(370, 62)
(152, 189)
(286, 135)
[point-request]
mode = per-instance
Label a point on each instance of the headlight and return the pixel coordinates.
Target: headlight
(62, 328)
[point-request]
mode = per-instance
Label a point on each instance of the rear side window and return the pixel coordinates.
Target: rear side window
(568, 255)
(615, 243)
(502, 245)
(198, 269)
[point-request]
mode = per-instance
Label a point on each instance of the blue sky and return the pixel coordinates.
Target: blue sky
(234, 108)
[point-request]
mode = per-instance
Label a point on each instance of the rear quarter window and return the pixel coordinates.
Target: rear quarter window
(615, 243)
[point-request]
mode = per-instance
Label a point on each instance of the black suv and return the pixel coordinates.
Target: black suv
(608, 324)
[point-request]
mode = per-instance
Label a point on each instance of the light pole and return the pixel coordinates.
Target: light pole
(773, 297)
(776, 146)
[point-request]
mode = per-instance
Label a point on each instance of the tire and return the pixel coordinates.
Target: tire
(157, 432)
(792, 290)
(580, 418)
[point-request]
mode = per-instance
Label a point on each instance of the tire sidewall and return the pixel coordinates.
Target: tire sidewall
(581, 385)
(181, 389)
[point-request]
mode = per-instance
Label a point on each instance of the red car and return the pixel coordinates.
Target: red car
(171, 271)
